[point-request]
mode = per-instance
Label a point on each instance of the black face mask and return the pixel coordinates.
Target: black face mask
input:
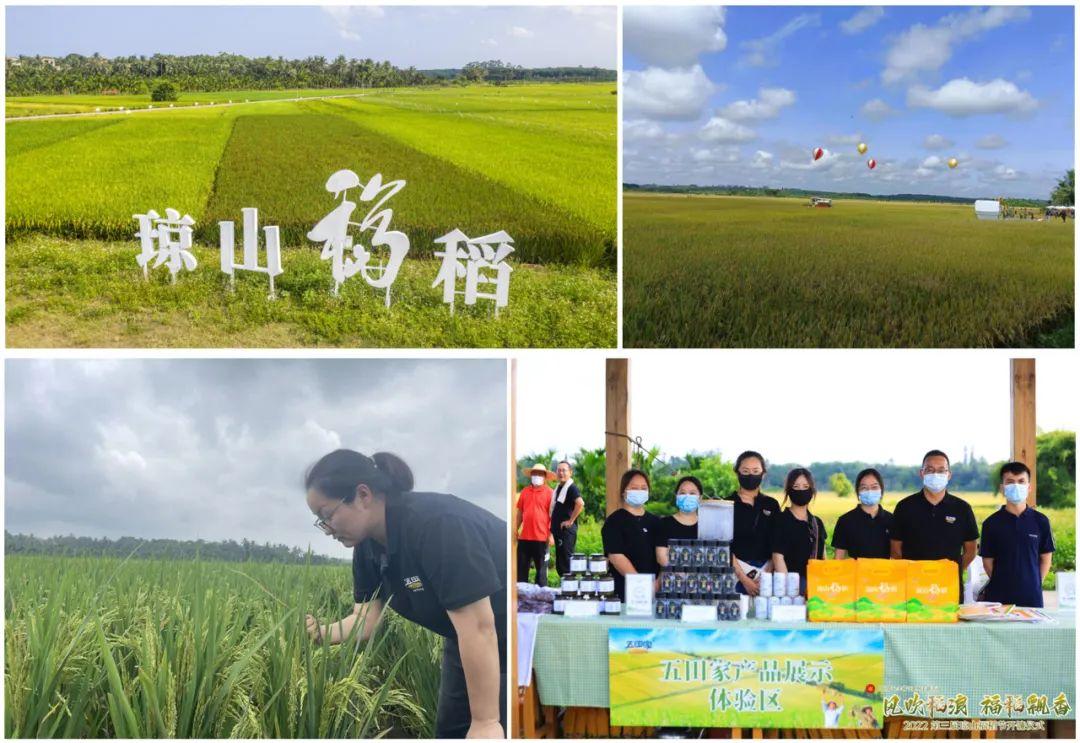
(801, 497)
(750, 482)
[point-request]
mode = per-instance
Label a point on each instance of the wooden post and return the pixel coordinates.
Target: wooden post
(517, 699)
(617, 420)
(1023, 417)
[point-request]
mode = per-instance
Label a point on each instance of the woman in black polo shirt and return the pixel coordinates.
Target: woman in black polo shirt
(864, 530)
(437, 560)
(754, 515)
(630, 533)
(798, 535)
(683, 523)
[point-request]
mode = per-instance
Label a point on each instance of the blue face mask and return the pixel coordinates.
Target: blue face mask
(1016, 492)
(687, 502)
(637, 497)
(935, 482)
(869, 497)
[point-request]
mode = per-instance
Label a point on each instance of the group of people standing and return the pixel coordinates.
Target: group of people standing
(783, 536)
(547, 517)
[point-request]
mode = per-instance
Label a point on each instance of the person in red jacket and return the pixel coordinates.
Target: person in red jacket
(532, 523)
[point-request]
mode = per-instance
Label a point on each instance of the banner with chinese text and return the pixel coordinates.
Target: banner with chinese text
(764, 678)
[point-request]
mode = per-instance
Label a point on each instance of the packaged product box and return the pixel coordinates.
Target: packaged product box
(880, 590)
(830, 591)
(932, 591)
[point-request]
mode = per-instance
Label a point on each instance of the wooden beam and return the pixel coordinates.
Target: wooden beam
(517, 724)
(1023, 417)
(617, 421)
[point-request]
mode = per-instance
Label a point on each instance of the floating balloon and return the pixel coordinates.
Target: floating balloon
(862, 148)
(818, 153)
(871, 163)
(953, 162)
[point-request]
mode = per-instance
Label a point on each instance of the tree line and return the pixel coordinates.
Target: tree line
(161, 549)
(95, 74)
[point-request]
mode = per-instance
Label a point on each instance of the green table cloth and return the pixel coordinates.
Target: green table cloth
(932, 660)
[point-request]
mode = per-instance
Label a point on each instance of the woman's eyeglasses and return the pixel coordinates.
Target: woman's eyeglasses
(323, 525)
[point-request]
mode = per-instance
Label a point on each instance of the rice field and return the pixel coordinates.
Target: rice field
(104, 648)
(703, 271)
(538, 161)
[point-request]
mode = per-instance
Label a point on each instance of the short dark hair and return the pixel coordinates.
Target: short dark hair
(566, 462)
(749, 454)
(794, 475)
(936, 453)
(629, 475)
(870, 472)
(691, 479)
(339, 473)
(1013, 468)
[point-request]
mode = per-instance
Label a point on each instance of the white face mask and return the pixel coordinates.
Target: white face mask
(537, 480)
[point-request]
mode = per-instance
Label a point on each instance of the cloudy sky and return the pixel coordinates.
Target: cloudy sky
(217, 449)
(743, 95)
(793, 406)
(423, 37)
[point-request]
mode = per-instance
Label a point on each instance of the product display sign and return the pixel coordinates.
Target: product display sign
(758, 678)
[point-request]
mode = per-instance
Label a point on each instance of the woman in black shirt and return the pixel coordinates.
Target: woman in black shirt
(438, 561)
(798, 535)
(630, 533)
(683, 524)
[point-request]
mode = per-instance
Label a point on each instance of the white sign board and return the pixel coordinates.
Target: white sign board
(639, 595)
(1066, 590)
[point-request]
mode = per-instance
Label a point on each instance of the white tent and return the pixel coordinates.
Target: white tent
(987, 209)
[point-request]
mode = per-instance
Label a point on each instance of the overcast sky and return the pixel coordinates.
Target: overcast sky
(423, 37)
(744, 95)
(217, 449)
(793, 406)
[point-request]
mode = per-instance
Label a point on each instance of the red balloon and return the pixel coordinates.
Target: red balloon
(818, 153)
(871, 163)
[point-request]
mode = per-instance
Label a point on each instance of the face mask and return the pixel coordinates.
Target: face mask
(869, 497)
(1016, 492)
(934, 482)
(537, 480)
(637, 497)
(801, 497)
(750, 482)
(687, 502)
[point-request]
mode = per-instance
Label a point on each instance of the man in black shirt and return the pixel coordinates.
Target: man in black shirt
(934, 524)
(864, 530)
(566, 505)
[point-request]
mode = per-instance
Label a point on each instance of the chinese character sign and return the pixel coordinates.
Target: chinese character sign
(165, 241)
(762, 678)
(481, 262)
(251, 248)
(339, 234)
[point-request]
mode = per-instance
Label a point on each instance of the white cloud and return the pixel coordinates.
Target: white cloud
(862, 20)
(844, 139)
(715, 154)
(346, 17)
(963, 97)
(937, 142)
(926, 48)
(719, 129)
(876, 110)
(673, 37)
(676, 95)
(932, 162)
(489, 42)
(762, 159)
(766, 106)
(763, 52)
(520, 32)
(991, 142)
(1005, 173)
(642, 129)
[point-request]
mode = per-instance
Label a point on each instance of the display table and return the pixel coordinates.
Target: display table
(974, 659)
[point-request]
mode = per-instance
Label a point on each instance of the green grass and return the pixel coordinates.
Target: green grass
(91, 294)
(102, 648)
(770, 272)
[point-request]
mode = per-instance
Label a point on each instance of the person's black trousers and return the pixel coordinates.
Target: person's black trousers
(454, 716)
(565, 542)
(530, 553)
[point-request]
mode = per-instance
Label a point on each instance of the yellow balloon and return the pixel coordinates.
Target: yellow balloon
(862, 148)
(953, 162)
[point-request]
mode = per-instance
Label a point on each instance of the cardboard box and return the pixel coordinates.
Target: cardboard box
(830, 590)
(932, 591)
(880, 590)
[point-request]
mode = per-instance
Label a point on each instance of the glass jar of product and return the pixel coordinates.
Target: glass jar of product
(683, 554)
(598, 563)
(675, 608)
(662, 605)
(679, 584)
(605, 583)
(569, 585)
(710, 553)
(667, 580)
(692, 585)
(578, 563)
(725, 580)
(612, 604)
(723, 555)
(558, 606)
(728, 609)
(697, 553)
(586, 583)
(706, 581)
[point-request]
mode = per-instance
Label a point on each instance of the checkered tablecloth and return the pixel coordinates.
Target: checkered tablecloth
(975, 659)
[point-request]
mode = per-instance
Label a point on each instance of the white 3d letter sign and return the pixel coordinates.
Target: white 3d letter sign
(473, 259)
(173, 236)
(251, 249)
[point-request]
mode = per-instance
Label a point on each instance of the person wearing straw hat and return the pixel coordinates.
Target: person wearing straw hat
(532, 523)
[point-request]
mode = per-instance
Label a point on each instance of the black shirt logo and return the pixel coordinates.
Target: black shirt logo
(414, 583)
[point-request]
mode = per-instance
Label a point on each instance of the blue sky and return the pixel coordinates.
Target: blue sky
(424, 37)
(743, 95)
